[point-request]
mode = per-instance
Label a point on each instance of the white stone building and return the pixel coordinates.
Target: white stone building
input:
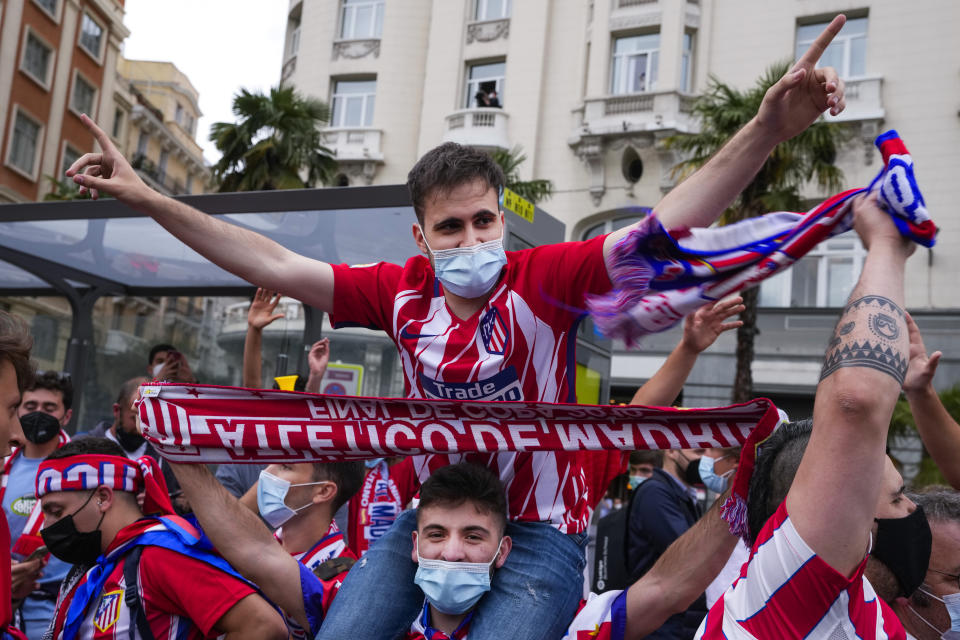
(589, 88)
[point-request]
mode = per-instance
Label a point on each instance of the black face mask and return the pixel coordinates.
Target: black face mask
(39, 427)
(903, 545)
(72, 546)
(691, 475)
(129, 441)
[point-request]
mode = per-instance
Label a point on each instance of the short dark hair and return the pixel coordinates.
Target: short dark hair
(647, 457)
(348, 476)
(776, 465)
(455, 484)
(128, 388)
(89, 445)
(447, 167)
(15, 345)
(54, 381)
(157, 348)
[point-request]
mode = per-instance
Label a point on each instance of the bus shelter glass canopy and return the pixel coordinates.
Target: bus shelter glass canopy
(92, 278)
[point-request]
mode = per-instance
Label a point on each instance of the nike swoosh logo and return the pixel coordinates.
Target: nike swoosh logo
(406, 335)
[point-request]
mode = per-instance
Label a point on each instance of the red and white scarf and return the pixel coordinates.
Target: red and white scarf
(210, 424)
(29, 540)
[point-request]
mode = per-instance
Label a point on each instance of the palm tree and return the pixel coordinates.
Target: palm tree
(275, 141)
(805, 158)
(510, 161)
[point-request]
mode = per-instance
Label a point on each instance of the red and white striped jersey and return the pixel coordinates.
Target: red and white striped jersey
(519, 346)
(182, 598)
(787, 591)
(385, 491)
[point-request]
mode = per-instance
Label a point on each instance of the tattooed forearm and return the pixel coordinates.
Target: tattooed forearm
(869, 335)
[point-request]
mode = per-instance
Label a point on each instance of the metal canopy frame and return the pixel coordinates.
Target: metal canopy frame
(83, 287)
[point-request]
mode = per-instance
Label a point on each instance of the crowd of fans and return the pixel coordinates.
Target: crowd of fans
(110, 540)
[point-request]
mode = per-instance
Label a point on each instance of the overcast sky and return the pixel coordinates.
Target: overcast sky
(221, 45)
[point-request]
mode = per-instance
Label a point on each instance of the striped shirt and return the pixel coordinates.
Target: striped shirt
(787, 591)
(519, 346)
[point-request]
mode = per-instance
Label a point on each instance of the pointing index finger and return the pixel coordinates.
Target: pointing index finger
(809, 59)
(97, 132)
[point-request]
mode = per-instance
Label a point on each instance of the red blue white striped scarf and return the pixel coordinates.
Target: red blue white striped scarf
(661, 276)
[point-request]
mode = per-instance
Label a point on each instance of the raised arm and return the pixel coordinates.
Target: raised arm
(937, 428)
(788, 107)
(681, 574)
(317, 360)
(260, 314)
(833, 498)
(242, 252)
(700, 330)
(243, 540)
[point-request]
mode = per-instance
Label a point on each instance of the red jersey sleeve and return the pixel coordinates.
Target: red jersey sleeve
(565, 273)
(175, 583)
(363, 295)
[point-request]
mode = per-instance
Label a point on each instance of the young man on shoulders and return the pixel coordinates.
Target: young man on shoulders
(472, 322)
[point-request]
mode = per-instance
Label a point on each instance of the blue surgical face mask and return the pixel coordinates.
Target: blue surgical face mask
(272, 495)
(469, 272)
(952, 603)
(709, 477)
(636, 481)
(453, 587)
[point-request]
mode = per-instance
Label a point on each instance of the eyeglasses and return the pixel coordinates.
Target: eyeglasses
(949, 575)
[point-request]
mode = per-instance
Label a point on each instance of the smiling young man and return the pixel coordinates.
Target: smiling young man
(473, 322)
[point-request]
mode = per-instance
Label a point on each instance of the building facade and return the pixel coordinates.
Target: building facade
(590, 88)
(58, 59)
(156, 110)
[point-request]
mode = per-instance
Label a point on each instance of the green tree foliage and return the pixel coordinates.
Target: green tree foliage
(902, 425)
(510, 161)
(66, 190)
(275, 141)
(808, 158)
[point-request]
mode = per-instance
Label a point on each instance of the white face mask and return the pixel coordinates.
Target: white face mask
(272, 496)
(469, 272)
(453, 587)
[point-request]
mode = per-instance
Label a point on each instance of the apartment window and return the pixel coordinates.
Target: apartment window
(91, 36)
(492, 9)
(635, 64)
(189, 188)
(485, 79)
(50, 6)
(37, 57)
(142, 143)
(361, 19)
(686, 63)
(822, 278)
(84, 96)
(848, 51)
(353, 102)
(117, 123)
(179, 114)
(24, 143)
(70, 155)
(162, 166)
(294, 42)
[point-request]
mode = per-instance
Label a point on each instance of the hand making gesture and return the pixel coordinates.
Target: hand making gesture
(108, 171)
(261, 309)
(704, 326)
(805, 92)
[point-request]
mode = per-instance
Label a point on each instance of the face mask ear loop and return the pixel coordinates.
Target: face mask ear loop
(924, 620)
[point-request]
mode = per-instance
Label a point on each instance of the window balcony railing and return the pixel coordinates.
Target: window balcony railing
(484, 128)
(353, 143)
(864, 98)
(638, 112)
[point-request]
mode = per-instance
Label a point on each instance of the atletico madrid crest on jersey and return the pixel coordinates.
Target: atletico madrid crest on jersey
(108, 611)
(494, 332)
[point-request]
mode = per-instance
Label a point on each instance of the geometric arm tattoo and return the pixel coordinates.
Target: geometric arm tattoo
(867, 336)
